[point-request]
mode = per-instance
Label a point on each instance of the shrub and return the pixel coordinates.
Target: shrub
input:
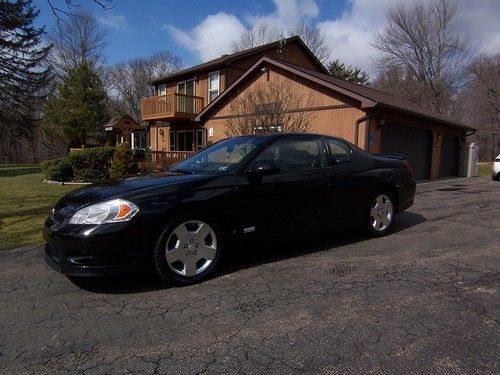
(122, 162)
(57, 170)
(91, 164)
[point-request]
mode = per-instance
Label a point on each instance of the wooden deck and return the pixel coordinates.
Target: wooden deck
(170, 106)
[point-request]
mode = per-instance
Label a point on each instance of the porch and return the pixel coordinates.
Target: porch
(163, 159)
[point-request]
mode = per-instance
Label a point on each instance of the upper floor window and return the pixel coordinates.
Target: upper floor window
(162, 89)
(186, 87)
(213, 85)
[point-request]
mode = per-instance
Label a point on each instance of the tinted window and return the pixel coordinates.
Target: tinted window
(292, 154)
(340, 152)
(221, 158)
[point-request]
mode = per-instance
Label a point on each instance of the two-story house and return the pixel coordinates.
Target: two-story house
(182, 95)
(193, 108)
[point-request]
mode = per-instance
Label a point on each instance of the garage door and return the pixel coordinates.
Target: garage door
(450, 156)
(415, 144)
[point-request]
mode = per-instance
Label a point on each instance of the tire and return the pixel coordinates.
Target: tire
(494, 177)
(381, 212)
(188, 250)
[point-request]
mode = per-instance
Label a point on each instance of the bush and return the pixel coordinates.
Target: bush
(58, 170)
(91, 164)
(122, 162)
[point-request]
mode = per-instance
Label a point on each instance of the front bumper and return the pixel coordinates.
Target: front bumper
(105, 251)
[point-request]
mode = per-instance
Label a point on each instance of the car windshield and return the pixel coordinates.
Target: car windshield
(223, 157)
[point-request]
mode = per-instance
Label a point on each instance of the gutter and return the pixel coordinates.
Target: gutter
(359, 121)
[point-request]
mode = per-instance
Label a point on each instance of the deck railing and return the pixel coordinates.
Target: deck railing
(171, 106)
(163, 159)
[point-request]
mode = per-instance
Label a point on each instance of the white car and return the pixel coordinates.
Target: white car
(495, 171)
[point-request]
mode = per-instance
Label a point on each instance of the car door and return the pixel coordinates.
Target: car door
(292, 196)
(344, 184)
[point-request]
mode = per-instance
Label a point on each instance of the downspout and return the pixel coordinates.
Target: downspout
(359, 121)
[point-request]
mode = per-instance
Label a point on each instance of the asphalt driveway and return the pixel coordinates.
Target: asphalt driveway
(424, 299)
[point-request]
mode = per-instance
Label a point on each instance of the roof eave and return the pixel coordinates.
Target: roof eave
(436, 119)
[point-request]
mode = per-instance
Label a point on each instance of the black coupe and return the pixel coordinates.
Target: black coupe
(260, 185)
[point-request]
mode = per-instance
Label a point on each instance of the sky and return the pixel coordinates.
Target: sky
(197, 31)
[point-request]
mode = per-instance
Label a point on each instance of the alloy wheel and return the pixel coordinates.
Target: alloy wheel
(381, 213)
(191, 248)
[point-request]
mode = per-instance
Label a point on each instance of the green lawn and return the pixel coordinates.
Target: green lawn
(25, 202)
(484, 169)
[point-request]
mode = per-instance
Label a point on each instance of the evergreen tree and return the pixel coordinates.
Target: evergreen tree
(23, 78)
(78, 107)
(348, 73)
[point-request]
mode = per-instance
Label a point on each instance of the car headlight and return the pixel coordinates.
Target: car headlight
(114, 211)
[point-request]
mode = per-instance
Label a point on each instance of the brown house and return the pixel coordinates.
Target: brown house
(182, 95)
(371, 119)
(124, 128)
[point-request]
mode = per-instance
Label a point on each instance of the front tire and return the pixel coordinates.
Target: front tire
(188, 250)
(381, 214)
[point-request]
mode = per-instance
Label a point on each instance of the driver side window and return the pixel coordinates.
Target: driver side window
(292, 154)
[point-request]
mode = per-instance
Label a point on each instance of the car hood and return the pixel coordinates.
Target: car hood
(128, 188)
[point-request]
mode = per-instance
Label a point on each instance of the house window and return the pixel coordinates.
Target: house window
(213, 85)
(186, 87)
(172, 141)
(267, 129)
(139, 140)
(199, 139)
(162, 89)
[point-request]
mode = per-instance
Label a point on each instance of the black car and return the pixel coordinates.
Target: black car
(237, 189)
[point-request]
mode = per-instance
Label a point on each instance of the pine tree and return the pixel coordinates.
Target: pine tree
(23, 78)
(348, 73)
(77, 108)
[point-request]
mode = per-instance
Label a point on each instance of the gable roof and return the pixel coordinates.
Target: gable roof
(367, 96)
(230, 58)
(115, 120)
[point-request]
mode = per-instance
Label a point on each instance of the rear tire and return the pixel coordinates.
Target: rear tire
(380, 216)
(188, 250)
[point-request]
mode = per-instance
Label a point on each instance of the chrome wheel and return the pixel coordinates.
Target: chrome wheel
(381, 213)
(190, 248)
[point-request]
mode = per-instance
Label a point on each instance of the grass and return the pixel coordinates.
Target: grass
(25, 202)
(484, 169)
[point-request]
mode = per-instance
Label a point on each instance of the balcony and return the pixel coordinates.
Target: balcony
(170, 107)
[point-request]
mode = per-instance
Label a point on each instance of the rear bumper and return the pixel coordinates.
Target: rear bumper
(406, 197)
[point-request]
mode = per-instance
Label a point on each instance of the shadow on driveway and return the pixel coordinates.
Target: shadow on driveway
(245, 256)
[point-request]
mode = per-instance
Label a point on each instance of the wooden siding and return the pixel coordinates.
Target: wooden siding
(330, 113)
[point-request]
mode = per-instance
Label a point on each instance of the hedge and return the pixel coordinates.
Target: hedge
(90, 164)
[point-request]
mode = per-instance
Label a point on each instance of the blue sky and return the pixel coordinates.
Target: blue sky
(204, 29)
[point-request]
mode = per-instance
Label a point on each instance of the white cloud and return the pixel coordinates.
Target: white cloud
(212, 37)
(287, 13)
(349, 36)
(114, 21)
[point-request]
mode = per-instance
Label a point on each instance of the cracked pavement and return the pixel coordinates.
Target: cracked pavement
(423, 299)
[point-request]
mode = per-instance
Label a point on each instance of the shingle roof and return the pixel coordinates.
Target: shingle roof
(227, 59)
(368, 96)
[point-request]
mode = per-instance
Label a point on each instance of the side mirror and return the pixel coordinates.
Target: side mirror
(262, 168)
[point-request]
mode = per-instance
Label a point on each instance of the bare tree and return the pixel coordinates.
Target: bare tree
(420, 41)
(128, 82)
(263, 34)
(75, 41)
(481, 104)
(257, 36)
(268, 108)
(313, 38)
(72, 4)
